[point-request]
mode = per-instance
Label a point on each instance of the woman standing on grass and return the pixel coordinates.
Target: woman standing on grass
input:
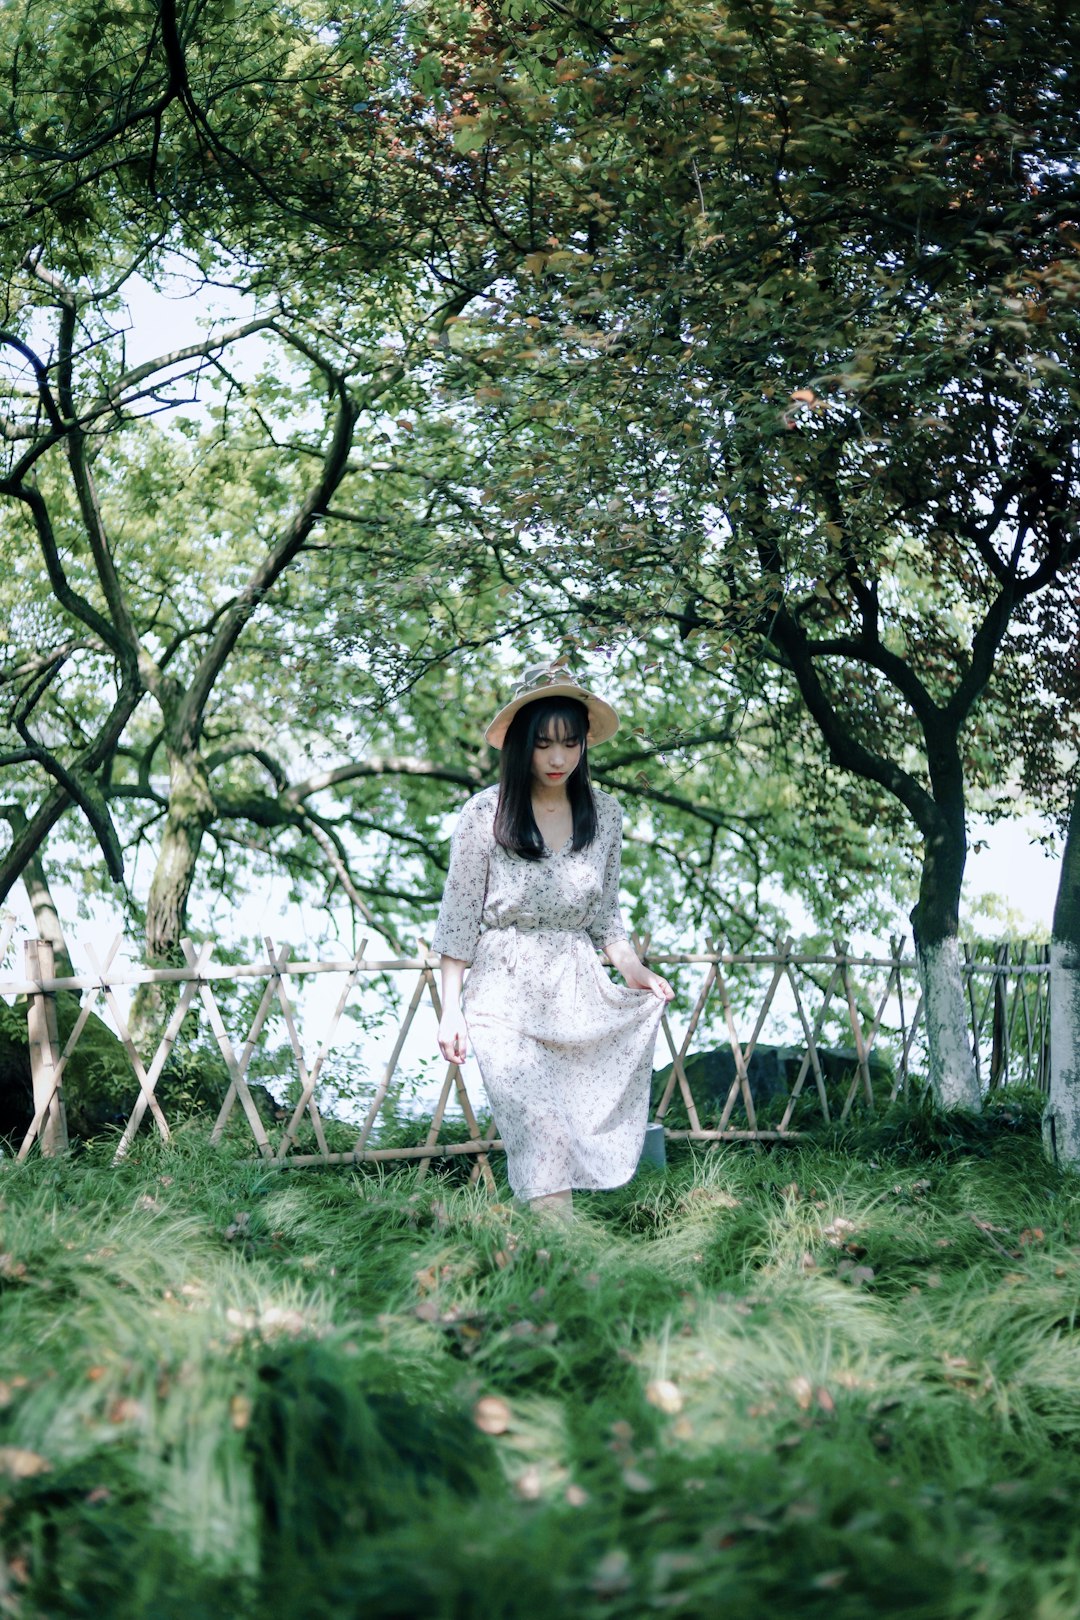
(533, 890)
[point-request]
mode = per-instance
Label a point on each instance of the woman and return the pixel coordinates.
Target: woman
(533, 890)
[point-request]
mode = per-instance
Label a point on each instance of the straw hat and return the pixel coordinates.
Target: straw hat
(548, 681)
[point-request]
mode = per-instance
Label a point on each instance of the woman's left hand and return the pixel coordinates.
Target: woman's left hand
(639, 977)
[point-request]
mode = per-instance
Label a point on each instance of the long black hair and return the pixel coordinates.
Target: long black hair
(515, 825)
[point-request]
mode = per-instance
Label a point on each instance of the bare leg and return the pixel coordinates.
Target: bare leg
(559, 1204)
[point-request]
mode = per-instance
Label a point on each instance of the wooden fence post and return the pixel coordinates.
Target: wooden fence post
(45, 1048)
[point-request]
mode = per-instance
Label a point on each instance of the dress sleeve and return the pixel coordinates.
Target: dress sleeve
(458, 927)
(608, 926)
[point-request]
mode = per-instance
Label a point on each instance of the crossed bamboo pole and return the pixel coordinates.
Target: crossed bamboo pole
(1019, 1026)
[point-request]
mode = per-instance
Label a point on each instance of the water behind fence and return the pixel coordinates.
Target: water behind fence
(314, 1061)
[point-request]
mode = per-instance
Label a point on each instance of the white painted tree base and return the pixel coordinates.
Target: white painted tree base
(948, 1027)
(1061, 1121)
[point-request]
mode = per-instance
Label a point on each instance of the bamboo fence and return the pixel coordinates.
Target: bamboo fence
(734, 999)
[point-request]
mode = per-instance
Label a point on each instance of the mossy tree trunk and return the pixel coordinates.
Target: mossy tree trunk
(1062, 1119)
(936, 926)
(938, 809)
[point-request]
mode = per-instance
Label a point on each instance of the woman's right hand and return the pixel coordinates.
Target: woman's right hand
(453, 1036)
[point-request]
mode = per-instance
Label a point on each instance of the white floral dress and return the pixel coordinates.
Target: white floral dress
(565, 1053)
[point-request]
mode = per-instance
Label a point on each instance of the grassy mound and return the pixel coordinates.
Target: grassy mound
(836, 1380)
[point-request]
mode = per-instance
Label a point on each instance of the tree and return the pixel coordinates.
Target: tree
(197, 538)
(179, 138)
(804, 298)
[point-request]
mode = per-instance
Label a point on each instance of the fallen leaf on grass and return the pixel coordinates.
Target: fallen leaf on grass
(665, 1395)
(715, 1197)
(17, 1463)
(857, 1275)
(240, 1411)
(465, 1326)
(528, 1484)
(803, 1391)
(426, 1279)
(125, 1409)
(273, 1320)
(491, 1414)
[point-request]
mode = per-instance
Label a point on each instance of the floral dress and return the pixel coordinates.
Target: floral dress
(565, 1053)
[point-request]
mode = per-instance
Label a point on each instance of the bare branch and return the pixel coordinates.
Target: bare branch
(273, 566)
(383, 765)
(191, 351)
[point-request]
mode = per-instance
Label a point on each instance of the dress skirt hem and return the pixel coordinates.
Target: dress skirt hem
(565, 1055)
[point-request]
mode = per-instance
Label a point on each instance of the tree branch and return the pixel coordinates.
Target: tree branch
(68, 598)
(382, 765)
(844, 749)
(30, 838)
(190, 351)
(269, 571)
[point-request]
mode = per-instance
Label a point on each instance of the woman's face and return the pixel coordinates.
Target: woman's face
(555, 757)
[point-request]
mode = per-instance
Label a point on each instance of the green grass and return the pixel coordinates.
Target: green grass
(839, 1379)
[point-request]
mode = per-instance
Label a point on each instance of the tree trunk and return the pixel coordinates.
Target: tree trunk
(191, 811)
(1061, 1122)
(46, 917)
(936, 924)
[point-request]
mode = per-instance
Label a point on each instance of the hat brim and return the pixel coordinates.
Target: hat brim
(603, 721)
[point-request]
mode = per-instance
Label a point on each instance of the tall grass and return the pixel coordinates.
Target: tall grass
(841, 1379)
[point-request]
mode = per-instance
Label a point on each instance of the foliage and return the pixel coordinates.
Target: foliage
(142, 559)
(791, 369)
(804, 1379)
(450, 215)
